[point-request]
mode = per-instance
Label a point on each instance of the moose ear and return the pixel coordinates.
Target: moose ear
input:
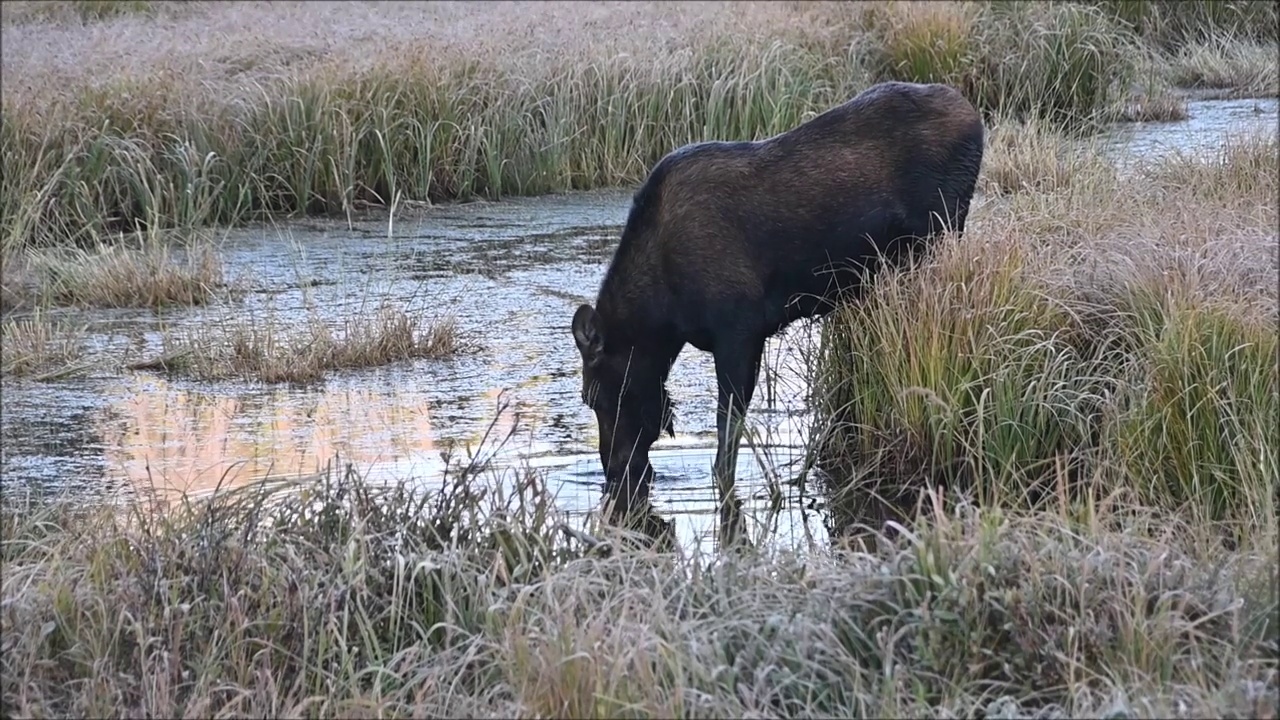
(588, 334)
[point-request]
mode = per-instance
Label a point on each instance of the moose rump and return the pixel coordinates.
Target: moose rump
(727, 243)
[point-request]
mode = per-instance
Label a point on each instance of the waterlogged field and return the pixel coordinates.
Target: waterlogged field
(358, 401)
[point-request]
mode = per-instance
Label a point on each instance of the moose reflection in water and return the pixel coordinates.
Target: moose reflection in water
(727, 243)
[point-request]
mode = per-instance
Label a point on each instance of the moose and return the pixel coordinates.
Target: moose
(727, 243)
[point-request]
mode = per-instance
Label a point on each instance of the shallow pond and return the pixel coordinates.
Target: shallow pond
(512, 274)
(1209, 123)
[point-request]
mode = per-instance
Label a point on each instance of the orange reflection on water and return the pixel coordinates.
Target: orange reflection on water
(170, 440)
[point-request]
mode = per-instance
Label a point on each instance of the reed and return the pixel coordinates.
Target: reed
(41, 347)
(146, 273)
(1232, 67)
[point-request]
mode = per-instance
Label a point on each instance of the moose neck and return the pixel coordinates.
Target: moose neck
(629, 329)
(633, 304)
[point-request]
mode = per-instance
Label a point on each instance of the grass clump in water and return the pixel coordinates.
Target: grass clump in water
(40, 347)
(262, 349)
(144, 274)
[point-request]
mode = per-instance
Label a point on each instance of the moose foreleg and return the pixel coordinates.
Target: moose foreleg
(737, 366)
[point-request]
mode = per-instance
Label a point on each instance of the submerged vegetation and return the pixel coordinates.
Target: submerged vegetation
(458, 101)
(1074, 408)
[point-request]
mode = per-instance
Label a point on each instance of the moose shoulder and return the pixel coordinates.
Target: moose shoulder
(727, 243)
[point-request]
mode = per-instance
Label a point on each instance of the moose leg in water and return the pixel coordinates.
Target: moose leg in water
(737, 364)
(727, 243)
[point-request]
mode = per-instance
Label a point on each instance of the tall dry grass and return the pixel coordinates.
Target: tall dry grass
(1033, 156)
(349, 600)
(1066, 63)
(185, 118)
(1113, 334)
(1240, 68)
(1173, 25)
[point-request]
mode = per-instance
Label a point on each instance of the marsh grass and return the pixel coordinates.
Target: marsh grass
(343, 599)
(1035, 156)
(18, 290)
(1100, 347)
(1172, 25)
(1116, 334)
(568, 99)
(1062, 62)
(1160, 106)
(1226, 64)
(269, 349)
(84, 11)
(327, 144)
(142, 272)
(1241, 171)
(41, 347)
(1199, 424)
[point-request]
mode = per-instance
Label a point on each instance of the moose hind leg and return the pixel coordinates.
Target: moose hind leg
(961, 216)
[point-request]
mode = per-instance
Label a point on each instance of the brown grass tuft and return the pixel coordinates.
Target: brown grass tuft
(1161, 106)
(262, 349)
(1033, 156)
(1246, 69)
(40, 347)
(144, 274)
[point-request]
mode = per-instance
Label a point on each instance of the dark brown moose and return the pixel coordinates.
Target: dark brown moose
(727, 243)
